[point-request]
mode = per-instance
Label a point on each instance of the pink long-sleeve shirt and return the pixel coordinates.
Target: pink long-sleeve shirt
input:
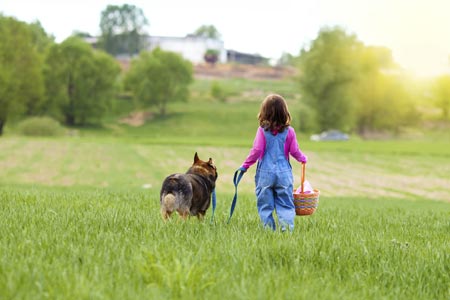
(259, 146)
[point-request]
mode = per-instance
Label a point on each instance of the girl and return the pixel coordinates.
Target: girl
(275, 140)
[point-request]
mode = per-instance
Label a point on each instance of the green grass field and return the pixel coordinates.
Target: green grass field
(79, 215)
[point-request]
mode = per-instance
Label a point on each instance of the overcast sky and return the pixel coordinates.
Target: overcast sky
(417, 31)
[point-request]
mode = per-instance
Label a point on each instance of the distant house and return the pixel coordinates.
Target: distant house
(191, 48)
(246, 58)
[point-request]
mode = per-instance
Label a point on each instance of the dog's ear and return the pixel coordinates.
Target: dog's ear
(196, 159)
(211, 163)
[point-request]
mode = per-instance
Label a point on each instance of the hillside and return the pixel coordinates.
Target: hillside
(235, 71)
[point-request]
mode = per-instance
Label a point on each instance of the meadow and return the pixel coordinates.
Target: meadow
(79, 214)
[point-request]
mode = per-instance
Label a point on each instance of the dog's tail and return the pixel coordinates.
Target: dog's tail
(167, 205)
(169, 202)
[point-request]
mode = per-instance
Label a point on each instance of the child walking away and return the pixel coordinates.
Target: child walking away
(275, 140)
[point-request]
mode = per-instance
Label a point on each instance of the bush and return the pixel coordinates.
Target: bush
(211, 56)
(218, 92)
(40, 126)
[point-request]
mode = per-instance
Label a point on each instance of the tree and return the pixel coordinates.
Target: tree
(40, 38)
(122, 29)
(441, 92)
(42, 42)
(211, 56)
(81, 34)
(383, 101)
(207, 31)
(80, 81)
(159, 77)
(286, 59)
(350, 85)
(327, 71)
(21, 78)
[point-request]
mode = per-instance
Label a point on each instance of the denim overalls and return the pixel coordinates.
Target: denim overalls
(274, 184)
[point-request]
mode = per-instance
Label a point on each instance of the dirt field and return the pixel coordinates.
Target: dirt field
(242, 71)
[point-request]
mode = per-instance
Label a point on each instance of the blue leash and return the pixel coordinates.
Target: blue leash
(213, 204)
(236, 178)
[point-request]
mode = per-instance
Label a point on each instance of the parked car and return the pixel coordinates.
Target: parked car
(330, 135)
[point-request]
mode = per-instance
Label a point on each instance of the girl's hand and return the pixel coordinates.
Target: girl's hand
(304, 159)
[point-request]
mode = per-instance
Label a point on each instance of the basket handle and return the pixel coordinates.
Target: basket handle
(303, 177)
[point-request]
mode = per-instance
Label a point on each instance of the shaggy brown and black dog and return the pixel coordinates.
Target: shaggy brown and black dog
(189, 193)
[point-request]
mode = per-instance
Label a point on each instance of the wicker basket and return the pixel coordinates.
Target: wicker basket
(305, 203)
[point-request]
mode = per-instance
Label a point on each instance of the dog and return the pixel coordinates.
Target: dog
(190, 193)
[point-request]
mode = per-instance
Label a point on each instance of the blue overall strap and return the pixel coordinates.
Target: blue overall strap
(236, 178)
(213, 204)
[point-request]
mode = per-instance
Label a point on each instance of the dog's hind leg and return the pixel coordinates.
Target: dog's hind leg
(201, 215)
(184, 214)
(165, 214)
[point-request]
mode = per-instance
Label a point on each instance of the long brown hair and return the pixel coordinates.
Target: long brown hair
(274, 113)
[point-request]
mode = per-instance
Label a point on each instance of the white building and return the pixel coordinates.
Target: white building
(191, 48)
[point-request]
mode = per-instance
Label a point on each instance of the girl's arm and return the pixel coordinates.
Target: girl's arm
(257, 151)
(291, 147)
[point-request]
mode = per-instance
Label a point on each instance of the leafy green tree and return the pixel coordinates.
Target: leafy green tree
(211, 56)
(286, 59)
(42, 42)
(383, 101)
(41, 39)
(159, 77)
(441, 92)
(21, 78)
(122, 29)
(327, 71)
(80, 81)
(207, 31)
(350, 85)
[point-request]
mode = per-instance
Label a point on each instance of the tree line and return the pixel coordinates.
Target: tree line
(74, 83)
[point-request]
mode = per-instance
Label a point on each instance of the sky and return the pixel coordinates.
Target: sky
(416, 31)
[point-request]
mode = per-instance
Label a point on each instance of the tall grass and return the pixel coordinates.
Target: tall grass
(112, 244)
